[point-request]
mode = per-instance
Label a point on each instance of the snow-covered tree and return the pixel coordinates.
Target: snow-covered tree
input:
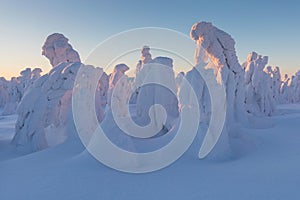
(119, 88)
(115, 76)
(16, 88)
(259, 86)
(35, 74)
(3, 92)
(276, 78)
(198, 84)
(15, 92)
(220, 50)
(156, 70)
(295, 87)
(43, 111)
(285, 90)
(57, 49)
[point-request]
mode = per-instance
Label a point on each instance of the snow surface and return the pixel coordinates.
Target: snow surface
(266, 166)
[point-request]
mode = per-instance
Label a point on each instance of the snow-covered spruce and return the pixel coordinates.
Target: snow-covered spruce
(260, 87)
(251, 89)
(57, 49)
(198, 84)
(284, 90)
(3, 92)
(179, 78)
(297, 87)
(14, 97)
(294, 88)
(43, 111)
(114, 77)
(157, 69)
(266, 88)
(16, 88)
(276, 83)
(102, 95)
(35, 74)
(119, 94)
(219, 47)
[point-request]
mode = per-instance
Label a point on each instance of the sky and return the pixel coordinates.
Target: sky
(270, 28)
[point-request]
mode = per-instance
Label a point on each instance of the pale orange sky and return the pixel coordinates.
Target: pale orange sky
(11, 66)
(272, 31)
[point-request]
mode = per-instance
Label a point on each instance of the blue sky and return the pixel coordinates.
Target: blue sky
(268, 27)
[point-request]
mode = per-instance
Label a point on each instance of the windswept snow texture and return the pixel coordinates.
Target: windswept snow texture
(268, 169)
